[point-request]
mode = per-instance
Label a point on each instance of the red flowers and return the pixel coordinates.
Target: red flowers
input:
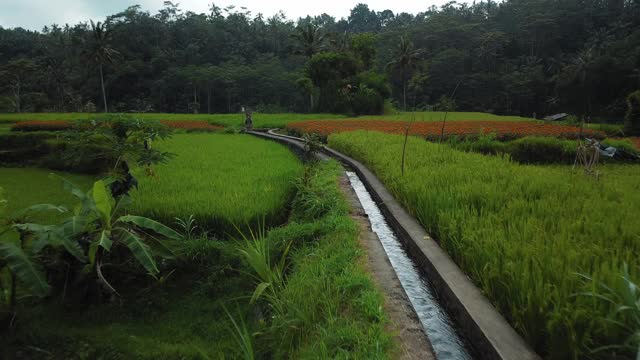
(503, 129)
(58, 125)
(191, 125)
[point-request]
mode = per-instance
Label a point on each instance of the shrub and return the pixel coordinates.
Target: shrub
(484, 144)
(42, 125)
(367, 101)
(23, 148)
(446, 103)
(44, 149)
(95, 158)
(632, 118)
(542, 150)
(621, 144)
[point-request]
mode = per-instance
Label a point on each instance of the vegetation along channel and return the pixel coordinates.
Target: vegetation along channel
(373, 180)
(447, 344)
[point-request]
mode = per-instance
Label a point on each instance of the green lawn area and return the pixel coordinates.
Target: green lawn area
(223, 180)
(522, 233)
(24, 187)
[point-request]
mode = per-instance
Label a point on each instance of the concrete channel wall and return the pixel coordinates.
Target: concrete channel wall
(488, 332)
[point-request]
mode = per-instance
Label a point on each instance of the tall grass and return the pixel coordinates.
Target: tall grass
(321, 302)
(222, 180)
(521, 233)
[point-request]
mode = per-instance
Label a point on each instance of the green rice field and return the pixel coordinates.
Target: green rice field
(24, 187)
(223, 180)
(524, 234)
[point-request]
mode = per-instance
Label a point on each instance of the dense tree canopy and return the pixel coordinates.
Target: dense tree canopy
(516, 57)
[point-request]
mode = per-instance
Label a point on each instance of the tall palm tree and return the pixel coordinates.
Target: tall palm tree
(405, 58)
(310, 39)
(582, 63)
(100, 52)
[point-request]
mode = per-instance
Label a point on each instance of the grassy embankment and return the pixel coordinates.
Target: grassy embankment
(523, 234)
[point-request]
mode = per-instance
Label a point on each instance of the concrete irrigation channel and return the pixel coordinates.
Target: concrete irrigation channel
(457, 318)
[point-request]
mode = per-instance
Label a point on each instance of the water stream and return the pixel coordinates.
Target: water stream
(446, 342)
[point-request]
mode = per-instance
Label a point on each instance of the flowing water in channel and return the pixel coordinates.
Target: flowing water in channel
(446, 342)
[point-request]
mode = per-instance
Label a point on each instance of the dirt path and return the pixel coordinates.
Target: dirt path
(411, 338)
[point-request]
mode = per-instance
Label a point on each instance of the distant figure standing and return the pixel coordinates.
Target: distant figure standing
(248, 122)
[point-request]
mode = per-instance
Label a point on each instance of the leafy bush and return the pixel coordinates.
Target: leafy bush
(484, 144)
(532, 149)
(610, 130)
(24, 148)
(542, 150)
(48, 150)
(60, 156)
(446, 103)
(367, 101)
(92, 234)
(46, 125)
(622, 144)
(632, 118)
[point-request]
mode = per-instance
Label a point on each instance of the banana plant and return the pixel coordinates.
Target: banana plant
(97, 226)
(14, 260)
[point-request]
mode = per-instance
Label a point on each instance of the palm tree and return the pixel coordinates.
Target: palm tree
(405, 58)
(100, 52)
(310, 39)
(582, 63)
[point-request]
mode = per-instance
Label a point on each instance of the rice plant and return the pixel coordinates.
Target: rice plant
(220, 180)
(520, 232)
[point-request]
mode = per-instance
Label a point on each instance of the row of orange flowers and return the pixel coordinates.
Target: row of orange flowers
(503, 129)
(58, 125)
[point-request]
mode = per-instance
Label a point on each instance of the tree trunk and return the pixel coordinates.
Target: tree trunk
(208, 99)
(195, 100)
(310, 102)
(404, 90)
(16, 97)
(104, 93)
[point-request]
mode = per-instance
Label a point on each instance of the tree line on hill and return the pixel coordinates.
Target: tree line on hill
(511, 57)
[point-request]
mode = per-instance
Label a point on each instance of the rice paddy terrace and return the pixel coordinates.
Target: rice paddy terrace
(255, 222)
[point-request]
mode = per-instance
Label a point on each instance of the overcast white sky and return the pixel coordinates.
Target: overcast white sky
(34, 14)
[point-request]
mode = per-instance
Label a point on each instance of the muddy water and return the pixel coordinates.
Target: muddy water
(446, 342)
